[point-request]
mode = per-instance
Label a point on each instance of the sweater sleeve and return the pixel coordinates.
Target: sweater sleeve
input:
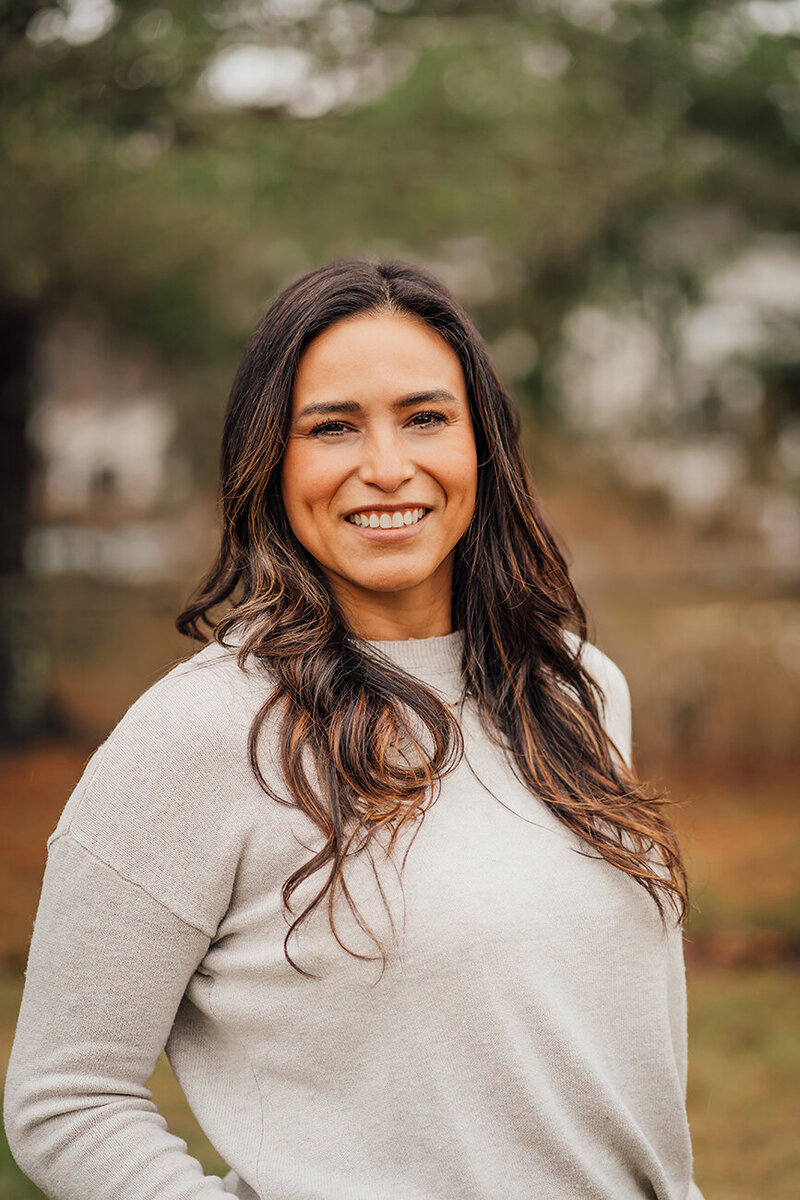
(616, 707)
(139, 875)
(107, 969)
(615, 697)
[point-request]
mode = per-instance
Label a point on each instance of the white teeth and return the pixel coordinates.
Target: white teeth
(385, 520)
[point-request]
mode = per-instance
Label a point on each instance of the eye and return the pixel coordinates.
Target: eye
(426, 420)
(329, 428)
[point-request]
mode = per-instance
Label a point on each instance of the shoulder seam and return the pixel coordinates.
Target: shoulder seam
(67, 833)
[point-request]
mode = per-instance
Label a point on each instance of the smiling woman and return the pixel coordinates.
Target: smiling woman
(381, 491)
(374, 864)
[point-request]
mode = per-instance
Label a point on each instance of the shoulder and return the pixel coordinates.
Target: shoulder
(614, 692)
(193, 705)
(166, 801)
(194, 720)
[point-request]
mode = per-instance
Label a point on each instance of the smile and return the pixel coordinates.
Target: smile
(371, 519)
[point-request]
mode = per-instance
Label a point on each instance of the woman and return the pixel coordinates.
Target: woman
(373, 864)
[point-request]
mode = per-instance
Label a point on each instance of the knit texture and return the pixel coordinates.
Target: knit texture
(526, 1039)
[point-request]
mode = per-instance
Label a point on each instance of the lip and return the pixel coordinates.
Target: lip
(390, 508)
(401, 534)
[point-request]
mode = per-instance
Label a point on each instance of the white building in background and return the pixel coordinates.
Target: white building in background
(611, 374)
(615, 374)
(108, 469)
(95, 449)
(619, 385)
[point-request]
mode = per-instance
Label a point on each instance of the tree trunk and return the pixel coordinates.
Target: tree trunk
(24, 699)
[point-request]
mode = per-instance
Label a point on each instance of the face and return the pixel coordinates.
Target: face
(380, 471)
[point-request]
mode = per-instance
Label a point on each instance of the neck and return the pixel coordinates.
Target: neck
(418, 612)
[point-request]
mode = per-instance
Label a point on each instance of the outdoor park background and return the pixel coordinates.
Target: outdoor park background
(613, 190)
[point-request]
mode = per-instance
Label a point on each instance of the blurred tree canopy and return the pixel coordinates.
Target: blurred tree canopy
(565, 134)
(168, 165)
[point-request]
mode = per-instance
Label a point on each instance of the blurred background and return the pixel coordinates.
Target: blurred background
(612, 188)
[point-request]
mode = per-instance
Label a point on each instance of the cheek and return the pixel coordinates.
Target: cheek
(308, 480)
(458, 473)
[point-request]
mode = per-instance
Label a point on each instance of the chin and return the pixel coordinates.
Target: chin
(401, 583)
(390, 581)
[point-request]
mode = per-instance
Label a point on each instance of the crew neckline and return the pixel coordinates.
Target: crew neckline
(441, 654)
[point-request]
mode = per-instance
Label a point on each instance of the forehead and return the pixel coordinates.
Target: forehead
(377, 356)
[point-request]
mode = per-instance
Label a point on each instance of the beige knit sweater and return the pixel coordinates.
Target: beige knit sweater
(527, 1040)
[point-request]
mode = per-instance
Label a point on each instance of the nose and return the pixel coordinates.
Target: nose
(386, 463)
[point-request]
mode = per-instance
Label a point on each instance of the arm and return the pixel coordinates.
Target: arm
(615, 706)
(616, 712)
(140, 873)
(108, 967)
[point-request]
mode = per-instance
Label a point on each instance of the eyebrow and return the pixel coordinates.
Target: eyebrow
(352, 406)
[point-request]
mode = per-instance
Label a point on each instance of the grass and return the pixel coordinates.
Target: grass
(744, 1082)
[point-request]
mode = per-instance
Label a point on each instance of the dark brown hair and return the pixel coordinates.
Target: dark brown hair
(355, 716)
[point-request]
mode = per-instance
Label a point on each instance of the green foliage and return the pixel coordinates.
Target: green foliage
(559, 145)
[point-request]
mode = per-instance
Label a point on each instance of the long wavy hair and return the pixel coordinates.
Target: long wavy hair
(363, 745)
